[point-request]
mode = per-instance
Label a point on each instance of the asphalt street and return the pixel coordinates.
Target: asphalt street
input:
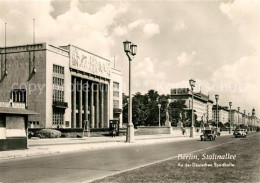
(89, 165)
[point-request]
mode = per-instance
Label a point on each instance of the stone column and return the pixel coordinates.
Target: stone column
(92, 120)
(86, 101)
(74, 103)
(97, 106)
(102, 106)
(106, 108)
(80, 104)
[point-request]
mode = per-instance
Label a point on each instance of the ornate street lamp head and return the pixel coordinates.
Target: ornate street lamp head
(130, 47)
(216, 96)
(230, 104)
(133, 49)
(192, 83)
(159, 105)
(127, 46)
(238, 108)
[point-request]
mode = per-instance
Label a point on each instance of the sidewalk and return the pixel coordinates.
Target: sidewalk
(40, 147)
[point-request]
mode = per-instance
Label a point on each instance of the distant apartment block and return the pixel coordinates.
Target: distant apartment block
(202, 104)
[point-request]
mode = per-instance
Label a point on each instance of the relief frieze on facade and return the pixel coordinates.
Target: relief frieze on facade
(87, 62)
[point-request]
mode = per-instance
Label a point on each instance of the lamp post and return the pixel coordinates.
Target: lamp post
(217, 115)
(249, 120)
(244, 118)
(159, 105)
(192, 85)
(230, 122)
(130, 50)
(238, 109)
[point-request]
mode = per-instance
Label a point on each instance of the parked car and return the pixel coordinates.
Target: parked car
(208, 135)
(240, 133)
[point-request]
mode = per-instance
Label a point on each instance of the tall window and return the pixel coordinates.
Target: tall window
(58, 83)
(19, 95)
(58, 116)
(58, 94)
(115, 95)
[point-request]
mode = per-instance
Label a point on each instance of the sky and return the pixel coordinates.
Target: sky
(216, 43)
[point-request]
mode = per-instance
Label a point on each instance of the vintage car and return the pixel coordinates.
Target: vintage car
(208, 135)
(240, 133)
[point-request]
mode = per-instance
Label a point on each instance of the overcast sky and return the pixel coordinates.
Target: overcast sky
(214, 42)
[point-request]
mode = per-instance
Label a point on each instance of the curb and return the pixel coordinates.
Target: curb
(99, 143)
(105, 141)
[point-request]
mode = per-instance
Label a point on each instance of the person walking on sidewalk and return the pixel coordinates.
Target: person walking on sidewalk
(113, 131)
(183, 131)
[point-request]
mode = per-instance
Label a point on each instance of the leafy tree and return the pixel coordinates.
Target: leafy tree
(188, 118)
(151, 102)
(145, 109)
(177, 111)
(220, 124)
(139, 109)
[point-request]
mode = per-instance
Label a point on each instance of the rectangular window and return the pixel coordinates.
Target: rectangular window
(115, 93)
(115, 104)
(57, 116)
(58, 83)
(19, 95)
(58, 94)
(115, 85)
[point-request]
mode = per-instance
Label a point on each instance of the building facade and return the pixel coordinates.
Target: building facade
(66, 85)
(236, 117)
(220, 115)
(202, 104)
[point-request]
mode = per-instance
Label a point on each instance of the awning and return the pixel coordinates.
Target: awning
(10, 110)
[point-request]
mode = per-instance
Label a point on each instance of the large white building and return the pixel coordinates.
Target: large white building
(221, 114)
(201, 103)
(236, 117)
(64, 84)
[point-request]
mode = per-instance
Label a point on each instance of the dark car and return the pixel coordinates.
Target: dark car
(208, 135)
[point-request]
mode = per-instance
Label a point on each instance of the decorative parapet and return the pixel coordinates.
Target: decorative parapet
(23, 48)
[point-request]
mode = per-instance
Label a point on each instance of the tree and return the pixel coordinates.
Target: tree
(139, 110)
(188, 118)
(151, 103)
(177, 111)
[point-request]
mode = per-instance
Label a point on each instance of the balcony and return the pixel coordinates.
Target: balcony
(117, 110)
(59, 104)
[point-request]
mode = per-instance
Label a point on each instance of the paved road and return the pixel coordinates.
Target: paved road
(89, 165)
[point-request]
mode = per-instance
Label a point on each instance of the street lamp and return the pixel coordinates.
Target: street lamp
(238, 109)
(217, 115)
(192, 85)
(244, 119)
(249, 120)
(230, 122)
(130, 50)
(159, 105)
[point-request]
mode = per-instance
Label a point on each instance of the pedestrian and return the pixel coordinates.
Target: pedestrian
(183, 131)
(114, 133)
